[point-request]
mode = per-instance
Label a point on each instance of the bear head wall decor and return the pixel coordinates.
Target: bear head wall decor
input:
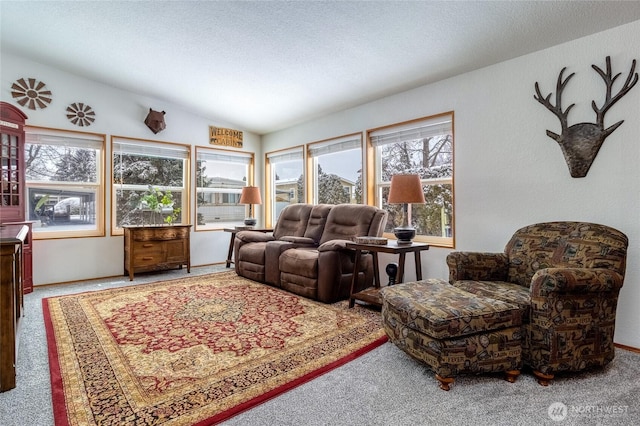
(581, 142)
(155, 121)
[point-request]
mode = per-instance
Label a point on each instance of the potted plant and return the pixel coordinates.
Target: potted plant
(159, 203)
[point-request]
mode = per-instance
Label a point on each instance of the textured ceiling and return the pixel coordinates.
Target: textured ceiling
(267, 65)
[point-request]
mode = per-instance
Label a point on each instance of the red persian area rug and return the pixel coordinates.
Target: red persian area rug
(192, 351)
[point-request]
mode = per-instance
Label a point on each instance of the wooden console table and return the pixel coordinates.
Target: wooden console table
(372, 294)
(12, 239)
(154, 248)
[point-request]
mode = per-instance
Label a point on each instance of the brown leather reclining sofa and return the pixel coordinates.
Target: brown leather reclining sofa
(306, 253)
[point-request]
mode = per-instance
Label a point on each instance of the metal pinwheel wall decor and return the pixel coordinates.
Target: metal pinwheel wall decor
(80, 114)
(31, 93)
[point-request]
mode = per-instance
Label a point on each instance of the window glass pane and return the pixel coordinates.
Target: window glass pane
(428, 152)
(286, 180)
(64, 183)
(434, 218)
(338, 177)
(220, 179)
(149, 184)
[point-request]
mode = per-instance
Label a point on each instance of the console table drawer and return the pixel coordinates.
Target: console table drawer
(161, 234)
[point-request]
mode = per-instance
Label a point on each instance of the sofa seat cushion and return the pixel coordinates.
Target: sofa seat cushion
(300, 261)
(500, 290)
(440, 310)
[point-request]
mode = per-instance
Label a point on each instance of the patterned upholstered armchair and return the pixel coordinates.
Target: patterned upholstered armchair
(566, 277)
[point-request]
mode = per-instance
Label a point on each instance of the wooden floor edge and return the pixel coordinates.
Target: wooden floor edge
(627, 348)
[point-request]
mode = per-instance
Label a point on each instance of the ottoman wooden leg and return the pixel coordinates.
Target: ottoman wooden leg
(512, 375)
(444, 382)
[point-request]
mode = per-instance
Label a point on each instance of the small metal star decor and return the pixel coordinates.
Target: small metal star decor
(31, 93)
(80, 114)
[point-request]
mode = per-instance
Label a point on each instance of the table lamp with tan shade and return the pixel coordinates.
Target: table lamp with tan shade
(250, 195)
(405, 189)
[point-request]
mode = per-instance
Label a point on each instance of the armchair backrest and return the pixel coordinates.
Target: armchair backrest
(292, 221)
(564, 245)
(346, 221)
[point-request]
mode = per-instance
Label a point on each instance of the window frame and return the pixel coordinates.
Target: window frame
(223, 152)
(270, 191)
(99, 185)
(375, 191)
(186, 176)
(326, 144)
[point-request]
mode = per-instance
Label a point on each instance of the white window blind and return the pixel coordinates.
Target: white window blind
(150, 149)
(63, 139)
(224, 157)
(282, 156)
(335, 145)
(411, 131)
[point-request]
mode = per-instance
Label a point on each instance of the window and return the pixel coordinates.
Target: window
(423, 147)
(285, 181)
(336, 170)
(65, 183)
(142, 169)
(220, 176)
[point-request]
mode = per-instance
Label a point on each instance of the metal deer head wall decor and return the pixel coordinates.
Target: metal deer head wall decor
(581, 142)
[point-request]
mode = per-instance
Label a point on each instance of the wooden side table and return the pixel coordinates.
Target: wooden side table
(372, 294)
(233, 232)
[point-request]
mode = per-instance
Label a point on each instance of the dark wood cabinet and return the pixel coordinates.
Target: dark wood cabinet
(12, 193)
(154, 248)
(12, 239)
(13, 201)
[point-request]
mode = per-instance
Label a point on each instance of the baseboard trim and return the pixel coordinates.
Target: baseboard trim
(627, 348)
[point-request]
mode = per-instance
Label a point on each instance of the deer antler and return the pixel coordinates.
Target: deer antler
(557, 109)
(609, 79)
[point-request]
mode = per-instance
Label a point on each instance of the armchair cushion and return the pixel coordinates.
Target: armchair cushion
(500, 290)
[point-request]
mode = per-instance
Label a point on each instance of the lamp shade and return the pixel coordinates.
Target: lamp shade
(406, 189)
(250, 195)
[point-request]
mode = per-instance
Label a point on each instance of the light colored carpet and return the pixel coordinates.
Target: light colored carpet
(382, 387)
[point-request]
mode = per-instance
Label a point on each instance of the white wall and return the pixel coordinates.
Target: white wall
(118, 113)
(508, 173)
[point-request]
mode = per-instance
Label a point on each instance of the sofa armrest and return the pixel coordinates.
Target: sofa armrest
(575, 280)
(299, 241)
(334, 245)
(254, 237)
(477, 266)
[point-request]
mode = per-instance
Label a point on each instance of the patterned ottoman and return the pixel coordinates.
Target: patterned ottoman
(453, 331)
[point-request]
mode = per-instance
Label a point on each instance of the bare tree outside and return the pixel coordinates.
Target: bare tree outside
(430, 158)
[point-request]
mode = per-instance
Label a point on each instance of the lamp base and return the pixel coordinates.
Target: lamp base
(404, 234)
(250, 221)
